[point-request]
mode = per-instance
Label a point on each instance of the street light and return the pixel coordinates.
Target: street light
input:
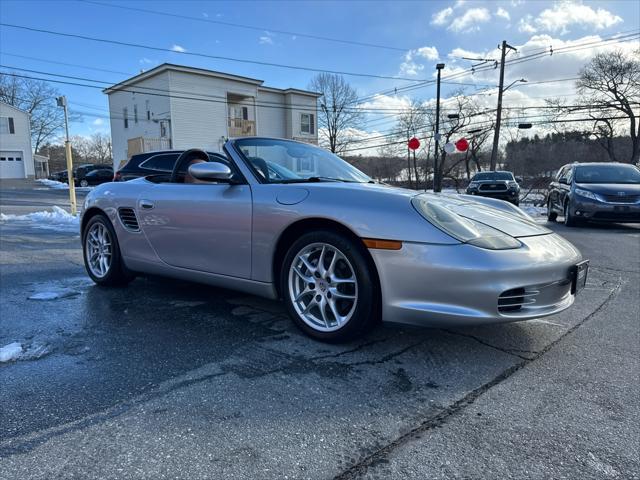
(62, 102)
(501, 90)
(522, 80)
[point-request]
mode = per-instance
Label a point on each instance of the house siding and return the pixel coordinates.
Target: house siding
(15, 143)
(159, 106)
(271, 121)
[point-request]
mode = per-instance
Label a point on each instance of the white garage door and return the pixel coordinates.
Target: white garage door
(11, 165)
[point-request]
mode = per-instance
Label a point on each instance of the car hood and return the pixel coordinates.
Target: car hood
(500, 215)
(611, 188)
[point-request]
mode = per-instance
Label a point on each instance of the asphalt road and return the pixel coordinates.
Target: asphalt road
(166, 379)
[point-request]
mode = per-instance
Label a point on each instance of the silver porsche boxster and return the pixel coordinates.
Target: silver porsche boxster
(284, 219)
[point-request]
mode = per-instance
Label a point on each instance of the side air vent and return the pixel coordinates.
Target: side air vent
(514, 299)
(128, 219)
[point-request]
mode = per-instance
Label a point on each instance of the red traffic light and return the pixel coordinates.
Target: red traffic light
(414, 143)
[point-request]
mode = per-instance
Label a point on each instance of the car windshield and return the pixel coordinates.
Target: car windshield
(283, 161)
(607, 174)
(492, 176)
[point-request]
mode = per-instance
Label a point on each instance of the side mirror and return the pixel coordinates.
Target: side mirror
(210, 171)
(519, 179)
(564, 180)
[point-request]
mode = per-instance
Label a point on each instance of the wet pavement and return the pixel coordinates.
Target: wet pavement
(167, 379)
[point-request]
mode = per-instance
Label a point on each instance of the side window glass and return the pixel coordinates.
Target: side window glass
(160, 163)
(569, 175)
(561, 173)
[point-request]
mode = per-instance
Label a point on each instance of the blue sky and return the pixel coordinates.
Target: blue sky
(426, 32)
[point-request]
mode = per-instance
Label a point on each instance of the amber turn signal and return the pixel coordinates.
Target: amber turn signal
(382, 244)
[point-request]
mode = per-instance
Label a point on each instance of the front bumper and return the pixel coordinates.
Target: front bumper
(510, 196)
(450, 285)
(595, 210)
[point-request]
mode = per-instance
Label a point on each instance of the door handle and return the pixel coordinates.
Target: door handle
(146, 204)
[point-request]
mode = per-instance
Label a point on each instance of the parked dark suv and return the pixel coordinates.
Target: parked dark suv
(606, 192)
(153, 163)
(80, 172)
(495, 184)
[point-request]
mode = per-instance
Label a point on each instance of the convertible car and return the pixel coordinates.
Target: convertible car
(284, 219)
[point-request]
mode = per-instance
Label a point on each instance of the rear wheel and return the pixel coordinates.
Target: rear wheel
(101, 251)
(327, 287)
(84, 183)
(551, 215)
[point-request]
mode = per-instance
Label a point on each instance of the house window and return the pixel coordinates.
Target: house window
(307, 123)
(125, 115)
(6, 125)
(135, 113)
(148, 109)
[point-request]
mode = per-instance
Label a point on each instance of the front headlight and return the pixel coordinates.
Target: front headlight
(463, 229)
(586, 193)
(473, 185)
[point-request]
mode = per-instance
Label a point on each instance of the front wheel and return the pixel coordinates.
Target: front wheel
(84, 183)
(102, 253)
(569, 220)
(328, 287)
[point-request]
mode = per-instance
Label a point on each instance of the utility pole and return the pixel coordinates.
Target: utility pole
(62, 102)
(436, 180)
(496, 136)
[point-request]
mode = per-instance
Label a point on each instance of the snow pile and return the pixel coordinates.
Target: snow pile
(58, 219)
(53, 184)
(10, 352)
(60, 185)
(534, 211)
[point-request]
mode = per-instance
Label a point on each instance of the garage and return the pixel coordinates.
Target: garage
(11, 164)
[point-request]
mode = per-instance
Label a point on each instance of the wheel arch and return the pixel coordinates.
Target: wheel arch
(88, 215)
(300, 227)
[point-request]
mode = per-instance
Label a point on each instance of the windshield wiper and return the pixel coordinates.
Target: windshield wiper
(316, 179)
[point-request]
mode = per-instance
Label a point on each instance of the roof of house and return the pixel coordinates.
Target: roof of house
(15, 108)
(199, 71)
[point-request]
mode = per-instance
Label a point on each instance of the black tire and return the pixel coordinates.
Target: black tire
(551, 215)
(117, 274)
(84, 183)
(365, 313)
(569, 220)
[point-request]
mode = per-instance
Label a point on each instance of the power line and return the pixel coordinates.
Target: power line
(247, 27)
(204, 55)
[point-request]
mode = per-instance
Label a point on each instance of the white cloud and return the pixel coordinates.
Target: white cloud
(501, 12)
(178, 48)
(525, 25)
(147, 61)
(470, 19)
(98, 122)
(410, 66)
(441, 17)
(265, 40)
(568, 13)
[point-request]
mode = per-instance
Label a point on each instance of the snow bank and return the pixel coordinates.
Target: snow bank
(10, 352)
(534, 211)
(53, 184)
(60, 185)
(58, 219)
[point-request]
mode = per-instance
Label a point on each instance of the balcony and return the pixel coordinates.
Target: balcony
(239, 127)
(146, 144)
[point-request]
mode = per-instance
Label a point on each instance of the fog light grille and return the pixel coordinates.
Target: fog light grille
(516, 298)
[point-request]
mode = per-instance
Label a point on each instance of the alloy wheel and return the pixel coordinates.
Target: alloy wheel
(323, 287)
(98, 249)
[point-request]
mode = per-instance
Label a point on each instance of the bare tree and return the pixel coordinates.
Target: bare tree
(339, 112)
(100, 147)
(38, 98)
(411, 121)
(611, 82)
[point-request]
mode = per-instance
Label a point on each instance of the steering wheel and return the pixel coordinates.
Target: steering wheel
(184, 158)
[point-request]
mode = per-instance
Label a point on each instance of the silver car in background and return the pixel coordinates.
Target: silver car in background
(284, 219)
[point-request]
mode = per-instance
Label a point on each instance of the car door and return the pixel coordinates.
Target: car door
(564, 187)
(554, 188)
(204, 227)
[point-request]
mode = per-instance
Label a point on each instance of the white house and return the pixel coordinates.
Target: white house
(173, 106)
(16, 160)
